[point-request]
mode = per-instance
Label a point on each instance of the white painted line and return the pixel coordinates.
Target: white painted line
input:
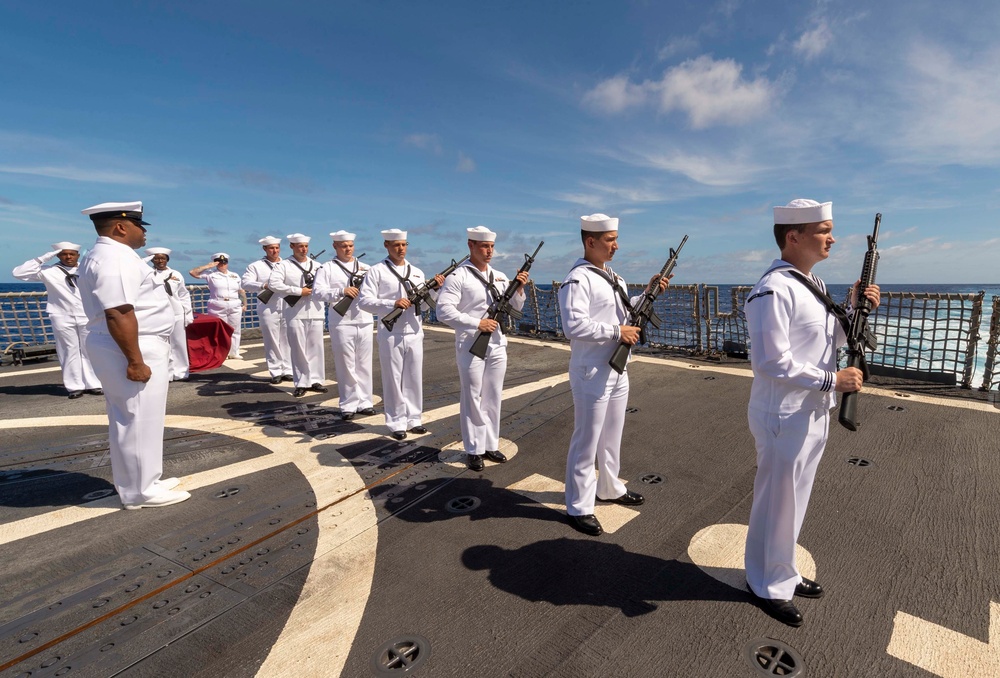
(552, 493)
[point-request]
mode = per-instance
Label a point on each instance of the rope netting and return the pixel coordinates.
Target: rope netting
(991, 380)
(23, 321)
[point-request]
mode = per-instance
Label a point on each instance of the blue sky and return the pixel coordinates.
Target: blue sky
(235, 120)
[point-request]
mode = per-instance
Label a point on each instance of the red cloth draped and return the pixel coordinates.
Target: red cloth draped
(208, 340)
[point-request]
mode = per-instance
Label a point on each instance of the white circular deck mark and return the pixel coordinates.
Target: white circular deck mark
(718, 551)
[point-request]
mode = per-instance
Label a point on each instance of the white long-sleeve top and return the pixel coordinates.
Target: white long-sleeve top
(255, 279)
(381, 289)
(180, 299)
(63, 297)
(793, 344)
(287, 279)
(592, 313)
(464, 300)
(331, 281)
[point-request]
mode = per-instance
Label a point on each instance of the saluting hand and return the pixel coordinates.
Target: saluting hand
(630, 334)
(849, 380)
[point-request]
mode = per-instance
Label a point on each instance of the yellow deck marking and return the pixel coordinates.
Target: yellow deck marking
(552, 493)
(718, 550)
(944, 652)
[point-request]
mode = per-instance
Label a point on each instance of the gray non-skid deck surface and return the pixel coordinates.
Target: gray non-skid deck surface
(509, 588)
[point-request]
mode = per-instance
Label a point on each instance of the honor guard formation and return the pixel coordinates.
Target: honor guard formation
(119, 323)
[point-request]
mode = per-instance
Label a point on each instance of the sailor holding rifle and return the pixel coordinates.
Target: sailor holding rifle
(337, 284)
(793, 353)
(304, 314)
(270, 310)
(227, 300)
(66, 313)
(594, 307)
(180, 303)
(129, 346)
(463, 304)
(388, 285)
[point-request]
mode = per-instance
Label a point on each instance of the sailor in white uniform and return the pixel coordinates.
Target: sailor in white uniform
(593, 304)
(65, 311)
(401, 351)
(129, 346)
(270, 310)
(351, 333)
(294, 279)
(462, 304)
(793, 353)
(226, 298)
(180, 302)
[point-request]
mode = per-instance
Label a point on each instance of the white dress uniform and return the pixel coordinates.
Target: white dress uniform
(180, 303)
(592, 312)
(113, 275)
(350, 334)
(401, 351)
(69, 321)
(224, 302)
(464, 299)
(272, 318)
(304, 320)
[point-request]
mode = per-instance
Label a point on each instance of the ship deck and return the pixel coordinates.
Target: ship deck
(317, 547)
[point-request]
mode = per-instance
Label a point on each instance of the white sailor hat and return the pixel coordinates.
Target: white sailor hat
(343, 236)
(803, 211)
(65, 245)
(481, 234)
(127, 210)
(160, 250)
(598, 223)
(269, 240)
(393, 234)
(220, 255)
(297, 238)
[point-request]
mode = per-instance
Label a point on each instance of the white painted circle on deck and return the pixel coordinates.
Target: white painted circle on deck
(718, 550)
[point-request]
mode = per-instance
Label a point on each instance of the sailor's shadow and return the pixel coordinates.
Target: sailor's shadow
(593, 572)
(36, 389)
(312, 419)
(232, 383)
(50, 487)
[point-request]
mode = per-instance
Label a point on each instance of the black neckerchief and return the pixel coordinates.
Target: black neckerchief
(818, 288)
(610, 277)
(405, 280)
(350, 274)
(70, 277)
(268, 262)
(307, 276)
(491, 290)
(166, 281)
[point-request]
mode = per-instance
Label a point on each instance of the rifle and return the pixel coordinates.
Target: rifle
(643, 313)
(265, 295)
(502, 307)
(345, 302)
(421, 295)
(858, 336)
(307, 280)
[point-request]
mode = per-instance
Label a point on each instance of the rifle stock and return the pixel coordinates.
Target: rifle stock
(857, 336)
(342, 306)
(421, 295)
(502, 306)
(643, 313)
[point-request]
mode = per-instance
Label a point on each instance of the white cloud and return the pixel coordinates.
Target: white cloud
(815, 41)
(425, 142)
(708, 91)
(78, 174)
(702, 168)
(679, 45)
(465, 163)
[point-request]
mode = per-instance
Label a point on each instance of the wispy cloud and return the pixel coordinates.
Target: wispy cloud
(465, 163)
(91, 175)
(425, 142)
(814, 41)
(704, 168)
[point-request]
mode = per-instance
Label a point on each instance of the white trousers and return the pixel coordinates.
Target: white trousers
(305, 339)
(274, 331)
(71, 349)
(600, 396)
(180, 364)
(402, 362)
(352, 356)
(135, 414)
(231, 313)
(482, 392)
(789, 447)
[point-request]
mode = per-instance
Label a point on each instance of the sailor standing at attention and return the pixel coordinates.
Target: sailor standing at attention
(351, 333)
(270, 310)
(180, 302)
(794, 340)
(462, 304)
(65, 311)
(129, 346)
(227, 300)
(304, 314)
(401, 350)
(593, 305)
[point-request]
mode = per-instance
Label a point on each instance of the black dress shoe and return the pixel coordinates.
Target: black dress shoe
(287, 377)
(587, 524)
(299, 392)
(94, 391)
(346, 416)
(366, 411)
(782, 610)
(276, 380)
(399, 435)
(627, 499)
(418, 429)
(496, 455)
(807, 588)
(475, 462)
(73, 395)
(319, 388)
